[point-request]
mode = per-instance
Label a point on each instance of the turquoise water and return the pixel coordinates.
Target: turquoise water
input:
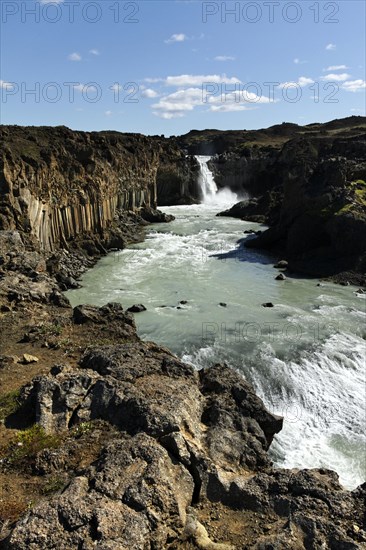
(305, 356)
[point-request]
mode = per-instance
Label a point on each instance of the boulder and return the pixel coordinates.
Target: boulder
(28, 359)
(183, 443)
(137, 308)
(155, 216)
(282, 264)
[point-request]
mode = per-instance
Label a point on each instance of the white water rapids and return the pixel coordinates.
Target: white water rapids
(305, 357)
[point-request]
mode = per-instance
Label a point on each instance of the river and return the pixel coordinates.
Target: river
(204, 291)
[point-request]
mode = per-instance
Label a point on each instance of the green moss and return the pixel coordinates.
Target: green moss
(53, 485)
(29, 443)
(346, 208)
(361, 196)
(357, 206)
(9, 404)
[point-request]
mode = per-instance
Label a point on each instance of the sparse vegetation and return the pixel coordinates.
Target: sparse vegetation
(28, 443)
(53, 485)
(50, 329)
(10, 511)
(83, 428)
(9, 404)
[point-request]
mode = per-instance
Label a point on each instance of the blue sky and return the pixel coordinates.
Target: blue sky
(166, 67)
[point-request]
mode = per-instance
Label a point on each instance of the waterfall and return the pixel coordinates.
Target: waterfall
(206, 180)
(209, 191)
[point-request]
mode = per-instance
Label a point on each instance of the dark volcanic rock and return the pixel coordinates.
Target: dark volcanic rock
(253, 210)
(133, 496)
(137, 308)
(282, 264)
(155, 216)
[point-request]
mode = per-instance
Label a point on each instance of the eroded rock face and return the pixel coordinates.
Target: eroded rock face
(308, 184)
(133, 496)
(318, 220)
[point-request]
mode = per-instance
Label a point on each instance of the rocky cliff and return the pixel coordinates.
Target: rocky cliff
(56, 184)
(177, 175)
(321, 226)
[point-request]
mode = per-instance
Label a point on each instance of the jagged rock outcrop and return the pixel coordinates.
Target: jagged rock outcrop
(321, 227)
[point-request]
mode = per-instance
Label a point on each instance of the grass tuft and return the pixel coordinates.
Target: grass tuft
(9, 404)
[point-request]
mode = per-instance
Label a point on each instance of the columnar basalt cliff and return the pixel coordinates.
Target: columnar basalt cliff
(57, 184)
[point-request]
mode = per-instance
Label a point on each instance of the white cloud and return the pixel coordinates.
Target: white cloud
(302, 82)
(74, 57)
(334, 77)
(224, 58)
(149, 93)
(176, 38)
(154, 80)
(336, 68)
(237, 98)
(330, 47)
(298, 61)
(6, 85)
(88, 88)
(175, 105)
(198, 80)
(179, 103)
(94, 52)
(229, 108)
(108, 113)
(167, 115)
(354, 85)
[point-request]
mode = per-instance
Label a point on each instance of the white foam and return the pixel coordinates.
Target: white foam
(211, 195)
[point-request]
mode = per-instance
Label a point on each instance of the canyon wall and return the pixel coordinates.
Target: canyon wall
(57, 184)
